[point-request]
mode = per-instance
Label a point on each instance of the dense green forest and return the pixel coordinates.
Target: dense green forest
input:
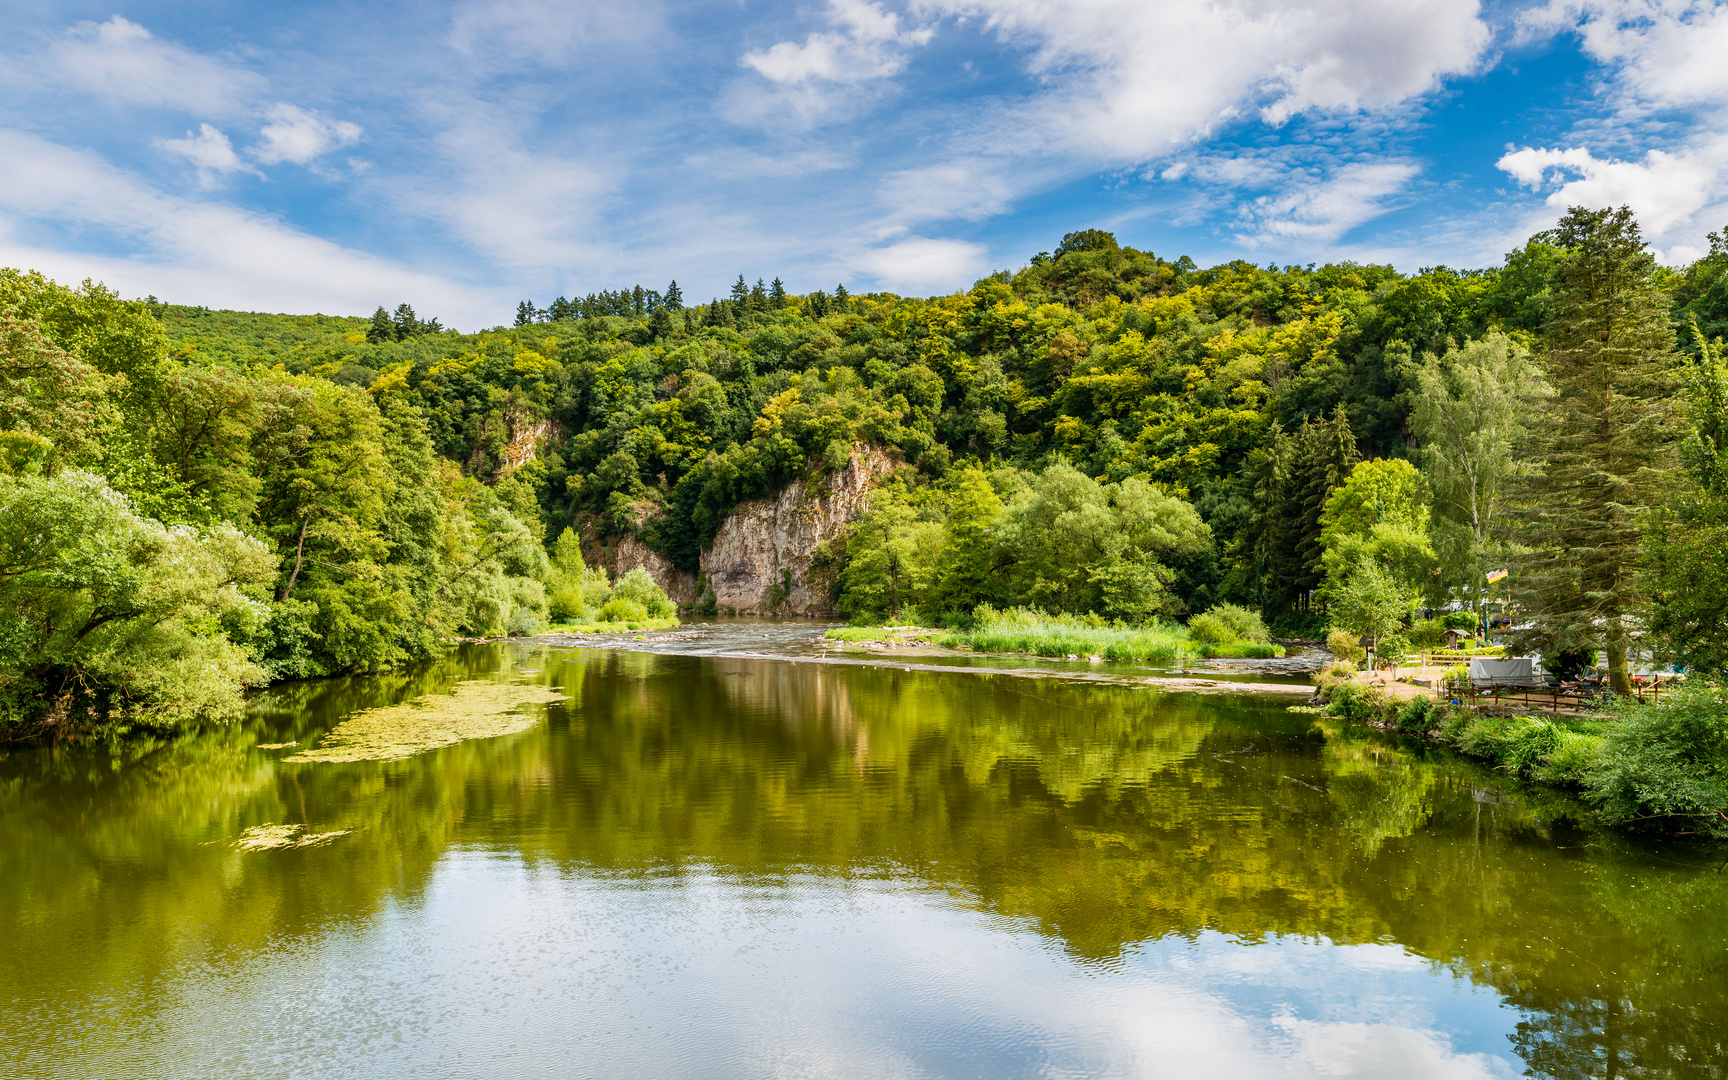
(195, 501)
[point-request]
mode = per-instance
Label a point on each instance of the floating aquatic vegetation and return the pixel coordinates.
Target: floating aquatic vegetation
(277, 837)
(469, 710)
(276, 745)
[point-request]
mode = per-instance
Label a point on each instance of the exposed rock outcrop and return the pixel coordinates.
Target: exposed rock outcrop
(759, 561)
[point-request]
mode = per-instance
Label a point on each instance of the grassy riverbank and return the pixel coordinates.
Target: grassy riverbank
(1037, 634)
(1654, 767)
(614, 626)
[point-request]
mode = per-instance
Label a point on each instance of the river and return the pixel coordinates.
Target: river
(741, 853)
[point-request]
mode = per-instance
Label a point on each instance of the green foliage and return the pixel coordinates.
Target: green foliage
(1393, 649)
(1346, 646)
(1665, 766)
(1605, 441)
(1210, 629)
(1427, 634)
(624, 610)
(1371, 602)
(1417, 715)
(1686, 575)
(638, 587)
(109, 618)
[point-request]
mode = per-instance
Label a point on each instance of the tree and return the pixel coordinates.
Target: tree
(406, 323)
(967, 576)
(1604, 444)
(525, 312)
(1088, 240)
(777, 295)
(1472, 407)
(1378, 516)
(111, 617)
(1370, 602)
(51, 394)
(674, 295)
(740, 292)
(1687, 573)
(842, 299)
(382, 329)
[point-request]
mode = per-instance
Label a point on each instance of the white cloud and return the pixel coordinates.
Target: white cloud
(968, 189)
(918, 263)
(1325, 210)
(210, 151)
(813, 79)
(199, 252)
(299, 135)
(1129, 80)
(525, 208)
(123, 62)
(550, 31)
(1668, 52)
(1664, 190)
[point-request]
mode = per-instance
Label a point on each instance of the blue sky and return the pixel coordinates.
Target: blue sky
(463, 156)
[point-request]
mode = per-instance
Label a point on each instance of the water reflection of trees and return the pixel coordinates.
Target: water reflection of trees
(1105, 815)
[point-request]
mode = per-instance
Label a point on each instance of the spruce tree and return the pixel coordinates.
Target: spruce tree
(1604, 444)
(777, 294)
(524, 313)
(842, 299)
(406, 323)
(674, 295)
(382, 329)
(638, 302)
(740, 291)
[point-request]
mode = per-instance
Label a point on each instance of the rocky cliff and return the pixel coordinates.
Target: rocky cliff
(760, 559)
(759, 562)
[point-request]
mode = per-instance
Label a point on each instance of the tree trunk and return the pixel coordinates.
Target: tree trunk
(299, 555)
(1617, 676)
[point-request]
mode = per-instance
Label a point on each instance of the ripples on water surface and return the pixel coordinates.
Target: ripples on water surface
(707, 863)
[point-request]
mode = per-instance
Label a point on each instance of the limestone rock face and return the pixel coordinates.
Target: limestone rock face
(759, 561)
(630, 553)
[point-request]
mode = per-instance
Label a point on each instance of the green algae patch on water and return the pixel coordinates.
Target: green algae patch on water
(278, 837)
(469, 710)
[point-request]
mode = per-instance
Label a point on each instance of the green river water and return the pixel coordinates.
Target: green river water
(733, 859)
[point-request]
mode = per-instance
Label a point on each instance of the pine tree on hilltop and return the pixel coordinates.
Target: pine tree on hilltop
(674, 295)
(777, 295)
(382, 329)
(524, 313)
(406, 323)
(842, 299)
(1603, 446)
(740, 291)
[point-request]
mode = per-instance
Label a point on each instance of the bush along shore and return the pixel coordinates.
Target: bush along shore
(1658, 767)
(1225, 631)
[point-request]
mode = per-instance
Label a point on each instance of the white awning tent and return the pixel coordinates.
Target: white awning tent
(1518, 671)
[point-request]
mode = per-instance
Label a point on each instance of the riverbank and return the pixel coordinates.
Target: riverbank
(1064, 639)
(1657, 767)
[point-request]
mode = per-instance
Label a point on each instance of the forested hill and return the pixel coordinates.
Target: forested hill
(354, 491)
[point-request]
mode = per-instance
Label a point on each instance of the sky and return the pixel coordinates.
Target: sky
(463, 156)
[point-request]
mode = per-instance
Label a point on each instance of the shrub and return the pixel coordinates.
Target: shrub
(565, 605)
(1345, 645)
(620, 609)
(1417, 714)
(1665, 766)
(1393, 650)
(639, 587)
(1356, 701)
(1460, 620)
(1428, 634)
(1568, 762)
(1209, 629)
(1243, 623)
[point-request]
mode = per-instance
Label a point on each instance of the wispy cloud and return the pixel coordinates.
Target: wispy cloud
(822, 75)
(300, 135)
(122, 62)
(143, 239)
(210, 152)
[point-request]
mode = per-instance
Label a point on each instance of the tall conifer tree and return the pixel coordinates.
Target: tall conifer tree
(382, 329)
(1604, 445)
